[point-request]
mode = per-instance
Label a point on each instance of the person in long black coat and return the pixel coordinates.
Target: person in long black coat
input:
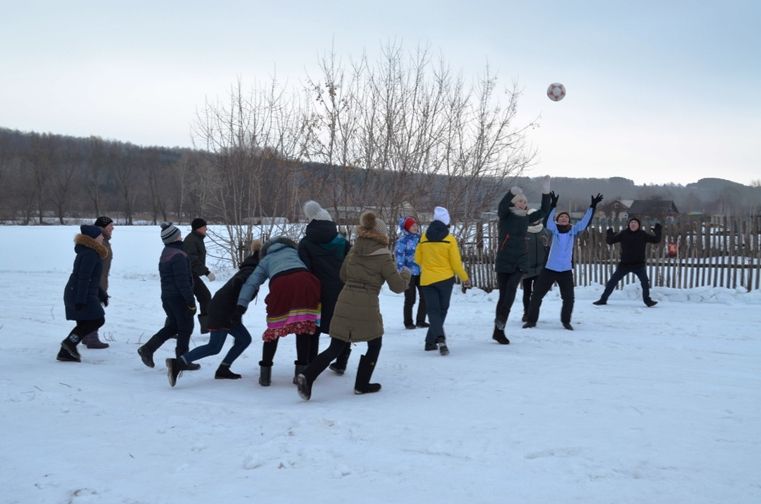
(322, 250)
(176, 297)
(83, 295)
(223, 320)
(633, 242)
(194, 246)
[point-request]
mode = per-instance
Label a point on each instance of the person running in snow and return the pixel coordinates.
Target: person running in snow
(176, 298)
(196, 250)
(222, 321)
(404, 251)
(633, 241)
(512, 258)
(439, 258)
(559, 267)
(323, 249)
(293, 302)
(538, 240)
(92, 340)
(357, 316)
(83, 295)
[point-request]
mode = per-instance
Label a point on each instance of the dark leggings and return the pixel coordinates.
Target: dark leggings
(548, 277)
(528, 287)
(508, 284)
(306, 346)
(85, 327)
(337, 346)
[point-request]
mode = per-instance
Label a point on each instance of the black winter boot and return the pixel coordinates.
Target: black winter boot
(568, 326)
(365, 370)
(499, 337)
(298, 368)
(64, 356)
(223, 373)
(69, 345)
(304, 387)
(203, 321)
(650, 303)
(339, 366)
(146, 356)
(265, 374)
(600, 302)
(174, 369)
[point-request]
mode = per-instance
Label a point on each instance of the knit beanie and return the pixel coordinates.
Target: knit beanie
(408, 223)
(313, 211)
(169, 232)
(518, 195)
(634, 219)
(91, 231)
(370, 222)
(441, 214)
(103, 221)
(197, 223)
(562, 213)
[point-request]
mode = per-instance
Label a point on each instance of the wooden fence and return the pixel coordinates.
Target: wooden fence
(722, 253)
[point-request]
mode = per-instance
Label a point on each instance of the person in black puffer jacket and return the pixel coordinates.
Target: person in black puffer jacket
(83, 295)
(633, 241)
(322, 250)
(223, 320)
(176, 297)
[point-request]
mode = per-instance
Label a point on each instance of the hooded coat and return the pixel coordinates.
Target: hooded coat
(439, 255)
(404, 250)
(367, 267)
(196, 250)
(83, 287)
(222, 305)
(513, 226)
(323, 251)
(277, 256)
(537, 248)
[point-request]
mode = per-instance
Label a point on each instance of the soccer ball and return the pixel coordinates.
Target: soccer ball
(556, 91)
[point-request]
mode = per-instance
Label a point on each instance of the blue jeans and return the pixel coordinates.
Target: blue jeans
(241, 338)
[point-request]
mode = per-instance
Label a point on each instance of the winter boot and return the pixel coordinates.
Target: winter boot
(174, 369)
(499, 337)
(600, 302)
(92, 341)
(365, 370)
(304, 387)
(529, 324)
(650, 303)
(223, 373)
(410, 326)
(64, 356)
(423, 324)
(146, 356)
(298, 368)
(339, 366)
(568, 326)
(441, 342)
(430, 346)
(203, 321)
(69, 345)
(265, 374)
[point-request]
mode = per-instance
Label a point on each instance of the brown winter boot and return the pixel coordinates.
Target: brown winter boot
(92, 341)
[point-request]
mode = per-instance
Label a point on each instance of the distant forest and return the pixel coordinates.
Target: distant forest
(48, 175)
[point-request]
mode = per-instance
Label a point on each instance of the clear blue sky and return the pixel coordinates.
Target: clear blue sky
(658, 91)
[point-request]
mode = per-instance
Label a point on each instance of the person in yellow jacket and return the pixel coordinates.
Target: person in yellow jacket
(439, 258)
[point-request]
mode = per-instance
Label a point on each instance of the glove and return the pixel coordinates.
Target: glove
(79, 306)
(554, 199)
(610, 231)
(105, 300)
(467, 284)
(192, 308)
(211, 276)
(595, 200)
(657, 227)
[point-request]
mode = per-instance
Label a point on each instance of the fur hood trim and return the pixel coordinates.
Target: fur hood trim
(372, 234)
(284, 240)
(86, 241)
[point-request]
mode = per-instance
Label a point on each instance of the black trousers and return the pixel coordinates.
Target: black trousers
(620, 273)
(85, 327)
(306, 349)
(528, 288)
(179, 324)
(413, 289)
(335, 349)
(542, 286)
(508, 285)
(202, 294)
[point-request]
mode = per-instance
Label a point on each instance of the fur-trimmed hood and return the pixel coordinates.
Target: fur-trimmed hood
(372, 234)
(86, 241)
(275, 244)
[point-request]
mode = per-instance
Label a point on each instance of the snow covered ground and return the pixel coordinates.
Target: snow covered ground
(637, 405)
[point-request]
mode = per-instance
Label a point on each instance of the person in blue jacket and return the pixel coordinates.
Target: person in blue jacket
(404, 253)
(83, 295)
(176, 298)
(559, 267)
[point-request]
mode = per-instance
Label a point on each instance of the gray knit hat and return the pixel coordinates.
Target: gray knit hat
(169, 232)
(313, 211)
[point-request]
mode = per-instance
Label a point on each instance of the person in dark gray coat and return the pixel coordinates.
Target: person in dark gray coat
(106, 224)
(196, 250)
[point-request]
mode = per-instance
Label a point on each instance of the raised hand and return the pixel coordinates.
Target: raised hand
(554, 199)
(595, 200)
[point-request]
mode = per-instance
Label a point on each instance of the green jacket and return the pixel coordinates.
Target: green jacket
(193, 246)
